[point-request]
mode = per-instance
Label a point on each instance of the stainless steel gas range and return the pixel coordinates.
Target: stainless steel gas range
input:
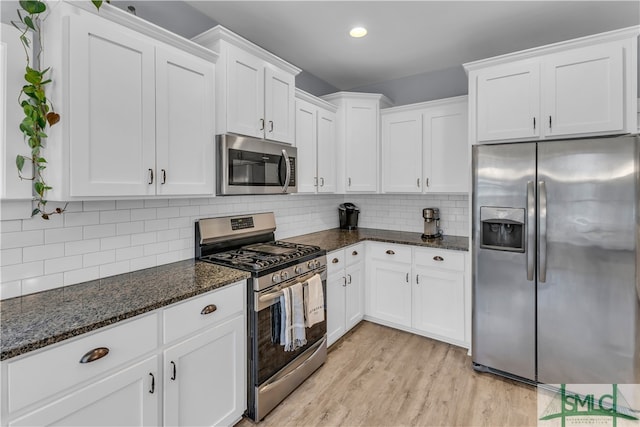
(247, 242)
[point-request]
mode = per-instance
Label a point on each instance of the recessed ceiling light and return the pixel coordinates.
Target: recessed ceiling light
(358, 32)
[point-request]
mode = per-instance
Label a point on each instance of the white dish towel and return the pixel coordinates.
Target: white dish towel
(293, 318)
(314, 301)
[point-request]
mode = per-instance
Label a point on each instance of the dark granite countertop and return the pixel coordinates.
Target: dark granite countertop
(334, 239)
(37, 320)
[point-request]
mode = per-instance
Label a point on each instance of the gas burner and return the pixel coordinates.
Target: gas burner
(262, 255)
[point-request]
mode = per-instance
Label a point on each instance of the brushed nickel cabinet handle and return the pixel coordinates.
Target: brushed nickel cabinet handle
(354, 253)
(321, 182)
(95, 354)
(335, 260)
(418, 182)
(270, 125)
(153, 383)
(426, 181)
(349, 182)
(549, 122)
(348, 275)
(164, 176)
(390, 252)
(438, 258)
(315, 181)
(173, 375)
(407, 278)
(261, 124)
(344, 284)
(150, 176)
(534, 123)
(209, 309)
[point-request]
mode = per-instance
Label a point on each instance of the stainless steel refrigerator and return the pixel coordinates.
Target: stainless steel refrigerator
(556, 296)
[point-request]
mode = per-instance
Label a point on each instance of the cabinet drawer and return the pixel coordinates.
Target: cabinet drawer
(354, 253)
(335, 261)
(450, 260)
(390, 252)
(194, 314)
(41, 375)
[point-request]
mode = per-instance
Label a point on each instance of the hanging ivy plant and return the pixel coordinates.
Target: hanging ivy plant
(39, 112)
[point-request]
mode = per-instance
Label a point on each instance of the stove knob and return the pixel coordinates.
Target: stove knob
(275, 278)
(298, 270)
(316, 263)
(285, 275)
(310, 265)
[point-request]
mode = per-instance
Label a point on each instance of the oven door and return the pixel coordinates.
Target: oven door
(253, 166)
(274, 372)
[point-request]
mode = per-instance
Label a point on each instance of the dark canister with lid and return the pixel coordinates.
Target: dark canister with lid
(348, 214)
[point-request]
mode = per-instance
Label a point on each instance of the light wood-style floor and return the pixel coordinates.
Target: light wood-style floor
(379, 376)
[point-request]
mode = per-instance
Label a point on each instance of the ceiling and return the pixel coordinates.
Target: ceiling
(409, 37)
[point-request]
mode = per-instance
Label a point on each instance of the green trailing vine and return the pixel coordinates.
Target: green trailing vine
(39, 112)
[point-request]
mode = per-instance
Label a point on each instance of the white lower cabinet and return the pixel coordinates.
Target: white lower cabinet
(345, 290)
(204, 377)
(112, 377)
(130, 397)
(421, 290)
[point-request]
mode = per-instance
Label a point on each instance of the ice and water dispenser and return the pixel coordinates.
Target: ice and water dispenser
(502, 229)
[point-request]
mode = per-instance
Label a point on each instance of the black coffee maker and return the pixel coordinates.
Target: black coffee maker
(348, 214)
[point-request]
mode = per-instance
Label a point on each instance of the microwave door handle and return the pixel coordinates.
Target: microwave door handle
(287, 164)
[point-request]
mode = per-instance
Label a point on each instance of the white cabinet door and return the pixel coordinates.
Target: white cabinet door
(204, 377)
(326, 151)
(279, 105)
(390, 292)
(361, 145)
(112, 109)
(446, 149)
(127, 398)
(336, 306)
(184, 123)
(354, 295)
(583, 90)
(508, 101)
(402, 152)
(306, 145)
(438, 302)
(245, 94)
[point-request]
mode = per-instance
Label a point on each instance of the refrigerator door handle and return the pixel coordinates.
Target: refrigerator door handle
(542, 228)
(531, 230)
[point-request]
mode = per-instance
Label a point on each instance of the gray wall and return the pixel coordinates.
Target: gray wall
(314, 85)
(438, 84)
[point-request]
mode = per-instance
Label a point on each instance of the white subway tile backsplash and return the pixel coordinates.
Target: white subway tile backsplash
(42, 283)
(110, 217)
(81, 247)
(81, 218)
(40, 252)
(58, 265)
(102, 238)
(10, 256)
(97, 258)
(22, 271)
(82, 275)
(20, 239)
(66, 234)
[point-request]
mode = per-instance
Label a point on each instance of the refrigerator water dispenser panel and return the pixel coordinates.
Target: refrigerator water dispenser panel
(502, 229)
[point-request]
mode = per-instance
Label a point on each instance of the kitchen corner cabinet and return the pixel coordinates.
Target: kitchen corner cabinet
(582, 87)
(137, 113)
(195, 376)
(345, 290)
(255, 90)
(425, 147)
(316, 143)
(358, 140)
(420, 290)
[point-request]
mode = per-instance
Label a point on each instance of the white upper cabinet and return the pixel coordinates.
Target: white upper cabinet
(137, 113)
(425, 147)
(582, 87)
(316, 142)
(255, 90)
(358, 140)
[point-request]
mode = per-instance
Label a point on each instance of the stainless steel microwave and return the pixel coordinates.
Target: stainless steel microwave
(249, 165)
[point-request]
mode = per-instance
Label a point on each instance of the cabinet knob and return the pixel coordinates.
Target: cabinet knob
(335, 260)
(390, 252)
(438, 258)
(209, 309)
(95, 354)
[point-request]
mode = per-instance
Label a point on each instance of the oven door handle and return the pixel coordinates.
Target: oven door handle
(287, 164)
(276, 291)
